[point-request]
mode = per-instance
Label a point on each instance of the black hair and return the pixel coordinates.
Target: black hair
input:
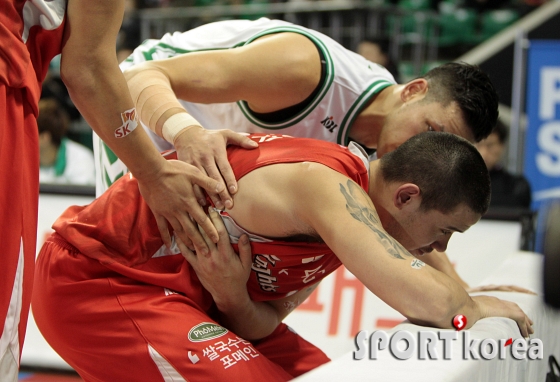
(448, 170)
(473, 91)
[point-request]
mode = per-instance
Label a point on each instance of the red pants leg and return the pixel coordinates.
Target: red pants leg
(19, 189)
(289, 350)
(113, 328)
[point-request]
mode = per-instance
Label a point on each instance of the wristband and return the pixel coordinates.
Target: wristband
(177, 123)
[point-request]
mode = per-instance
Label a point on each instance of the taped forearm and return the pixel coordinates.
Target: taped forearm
(153, 96)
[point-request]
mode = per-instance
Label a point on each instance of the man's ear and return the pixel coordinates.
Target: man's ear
(417, 88)
(407, 194)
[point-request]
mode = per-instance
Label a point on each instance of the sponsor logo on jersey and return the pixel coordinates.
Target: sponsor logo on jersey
(329, 123)
(206, 331)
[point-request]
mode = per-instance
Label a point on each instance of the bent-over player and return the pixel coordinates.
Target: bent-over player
(110, 293)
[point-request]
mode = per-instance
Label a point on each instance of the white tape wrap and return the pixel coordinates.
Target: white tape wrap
(177, 123)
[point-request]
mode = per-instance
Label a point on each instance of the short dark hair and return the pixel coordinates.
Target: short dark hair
(448, 170)
(53, 119)
(473, 91)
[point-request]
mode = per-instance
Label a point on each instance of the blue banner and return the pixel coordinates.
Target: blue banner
(542, 142)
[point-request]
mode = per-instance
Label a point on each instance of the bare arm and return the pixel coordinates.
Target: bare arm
(440, 261)
(271, 73)
(423, 295)
(90, 71)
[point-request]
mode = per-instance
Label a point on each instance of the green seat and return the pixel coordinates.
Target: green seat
(456, 27)
(494, 21)
(406, 71)
(254, 16)
(203, 3)
(414, 5)
(413, 17)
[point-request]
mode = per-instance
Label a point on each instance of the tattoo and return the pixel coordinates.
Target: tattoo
(417, 264)
(367, 215)
(291, 305)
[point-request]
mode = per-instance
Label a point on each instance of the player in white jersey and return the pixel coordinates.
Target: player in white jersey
(273, 76)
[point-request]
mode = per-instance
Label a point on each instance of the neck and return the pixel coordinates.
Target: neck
(367, 127)
(379, 192)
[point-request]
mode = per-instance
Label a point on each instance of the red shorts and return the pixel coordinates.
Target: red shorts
(111, 327)
(19, 190)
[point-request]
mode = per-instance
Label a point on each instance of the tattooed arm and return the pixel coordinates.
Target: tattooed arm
(422, 294)
(309, 198)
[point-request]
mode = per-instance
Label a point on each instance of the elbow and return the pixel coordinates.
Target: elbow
(79, 76)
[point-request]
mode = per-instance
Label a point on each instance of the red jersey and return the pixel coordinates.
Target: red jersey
(30, 36)
(119, 226)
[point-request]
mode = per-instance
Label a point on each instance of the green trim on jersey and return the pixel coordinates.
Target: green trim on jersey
(356, 108)
(105, 152)
(329, 77)
(151, 49)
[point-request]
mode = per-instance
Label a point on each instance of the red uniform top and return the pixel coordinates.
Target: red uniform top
(30, 36)
(120, 228)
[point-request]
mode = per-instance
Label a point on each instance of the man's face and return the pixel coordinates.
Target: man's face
(491, 150)
(421, 231)
(417, 116)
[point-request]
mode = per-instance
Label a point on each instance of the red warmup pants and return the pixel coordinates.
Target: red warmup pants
(19, 190)
(110, 326)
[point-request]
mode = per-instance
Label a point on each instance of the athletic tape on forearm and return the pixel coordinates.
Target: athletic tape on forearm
(177, 123)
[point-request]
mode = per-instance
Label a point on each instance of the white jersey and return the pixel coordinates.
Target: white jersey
(349, 82)
(74, 165)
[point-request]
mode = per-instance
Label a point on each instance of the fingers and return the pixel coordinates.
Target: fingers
(209, 243)
(187, 231)
(222, 198)
(199, 195)
(185, 251)
(223, 163)
(500, 288)
(223, 236)
(245, 253)
(239, 140)
(163, 230)
(228, 175)
(212, 186)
